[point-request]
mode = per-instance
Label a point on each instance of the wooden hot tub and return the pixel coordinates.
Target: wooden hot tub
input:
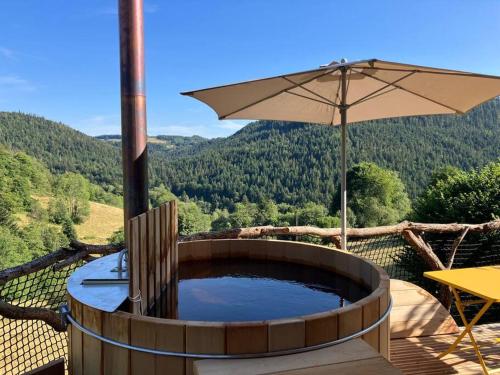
(89, 354)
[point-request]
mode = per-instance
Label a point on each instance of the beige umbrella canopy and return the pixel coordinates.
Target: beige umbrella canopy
(344, 92)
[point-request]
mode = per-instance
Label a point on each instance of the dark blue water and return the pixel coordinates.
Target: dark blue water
(243, 290)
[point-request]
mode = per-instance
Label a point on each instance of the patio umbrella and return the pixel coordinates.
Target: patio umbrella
(348, 92)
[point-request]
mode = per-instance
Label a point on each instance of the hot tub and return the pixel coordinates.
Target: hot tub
(119, 342)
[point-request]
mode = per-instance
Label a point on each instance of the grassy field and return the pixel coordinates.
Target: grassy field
(99, 226)
(101, 223)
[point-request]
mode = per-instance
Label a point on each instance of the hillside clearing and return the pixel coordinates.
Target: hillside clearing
(101, 223)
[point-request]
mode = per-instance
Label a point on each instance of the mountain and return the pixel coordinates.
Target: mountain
(169, 141)
(61, 148)
(295, 162)
(287, 162)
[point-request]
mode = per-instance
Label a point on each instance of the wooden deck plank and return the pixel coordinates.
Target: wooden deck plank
(348, 357)
(418, 355)
(416, 312)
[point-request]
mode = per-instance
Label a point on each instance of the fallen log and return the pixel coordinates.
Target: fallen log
(76, 250)
(50, 317)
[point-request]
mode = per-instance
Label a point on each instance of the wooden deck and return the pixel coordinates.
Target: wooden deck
(418, 355)
(421, 328)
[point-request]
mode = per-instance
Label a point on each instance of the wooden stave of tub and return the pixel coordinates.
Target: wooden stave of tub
(88, 355)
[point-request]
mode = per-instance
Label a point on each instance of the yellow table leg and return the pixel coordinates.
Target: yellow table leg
(468, 328)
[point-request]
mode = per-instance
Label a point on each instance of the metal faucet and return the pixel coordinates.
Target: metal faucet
(121, 256)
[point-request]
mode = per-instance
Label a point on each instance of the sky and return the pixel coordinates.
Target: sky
(60, 59)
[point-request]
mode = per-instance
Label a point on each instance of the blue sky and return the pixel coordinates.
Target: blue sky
(59, 58)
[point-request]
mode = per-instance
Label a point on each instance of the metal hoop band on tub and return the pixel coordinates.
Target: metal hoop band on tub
(67, 315)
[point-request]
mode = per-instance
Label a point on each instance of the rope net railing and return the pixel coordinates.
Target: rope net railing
(29, 344)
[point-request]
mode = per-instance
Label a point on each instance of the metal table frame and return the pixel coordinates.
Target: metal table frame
(468, 325)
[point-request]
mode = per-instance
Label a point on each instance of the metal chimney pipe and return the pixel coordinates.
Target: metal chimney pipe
(133, 109)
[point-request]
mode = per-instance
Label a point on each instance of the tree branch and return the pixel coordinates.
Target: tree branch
(33, 313)
(257, 232)
(424, 250)
(76, 251)
(454, 249)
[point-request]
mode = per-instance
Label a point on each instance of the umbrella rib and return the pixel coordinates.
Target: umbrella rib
(419, 70)
(309, 91)
(314, 100)
(336, 98)
(374, 96)
(413, 93)
(274, 94)
(370, 95)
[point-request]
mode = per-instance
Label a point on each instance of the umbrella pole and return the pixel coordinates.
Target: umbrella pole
(343, 160)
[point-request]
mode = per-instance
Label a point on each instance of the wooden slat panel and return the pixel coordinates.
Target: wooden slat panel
(170, 337)
(371, 313)
(384, 334)
(321, 328)
(157, 234)
(204, 338)
(163, 245)
(142, 333)
(143, 270)
(287, 334)
(134, 262)
(153, 254)
(116, 326)
(151, 257)
(246, 338)
(76, 339)
(175, 235)
(92, 348)
(350, 320)
(168, 243)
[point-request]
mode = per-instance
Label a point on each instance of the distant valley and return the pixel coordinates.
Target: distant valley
(286, 162)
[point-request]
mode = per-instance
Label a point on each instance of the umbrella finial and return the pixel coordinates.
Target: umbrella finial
(343, 60)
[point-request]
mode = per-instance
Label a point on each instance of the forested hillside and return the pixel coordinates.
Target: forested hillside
(286, 162)
(294, 163)
(61, 148)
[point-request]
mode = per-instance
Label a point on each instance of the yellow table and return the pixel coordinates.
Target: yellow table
(482, 282)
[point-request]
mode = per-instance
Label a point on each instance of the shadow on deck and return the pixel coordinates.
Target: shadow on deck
(418, 355)
(421, 328)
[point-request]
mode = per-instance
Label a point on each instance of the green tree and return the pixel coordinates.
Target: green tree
(220, 220)
(58, 211)
(159, 195)
(243, 215)
(375, 195)
(40, 238)
(13, 250)
(267, 213)
(68, 229)
(74, 190)
(118, 237)
(459, 196)
(192, 219)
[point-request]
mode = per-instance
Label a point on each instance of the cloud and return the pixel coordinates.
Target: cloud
(184, 130)
(7, 53)
(207, 130)
(231, 125)
(99, 124)
(12, 82)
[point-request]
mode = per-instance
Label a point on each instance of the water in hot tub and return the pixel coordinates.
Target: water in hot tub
(245, 290)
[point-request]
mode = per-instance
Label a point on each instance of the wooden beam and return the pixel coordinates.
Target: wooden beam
(262, 231)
